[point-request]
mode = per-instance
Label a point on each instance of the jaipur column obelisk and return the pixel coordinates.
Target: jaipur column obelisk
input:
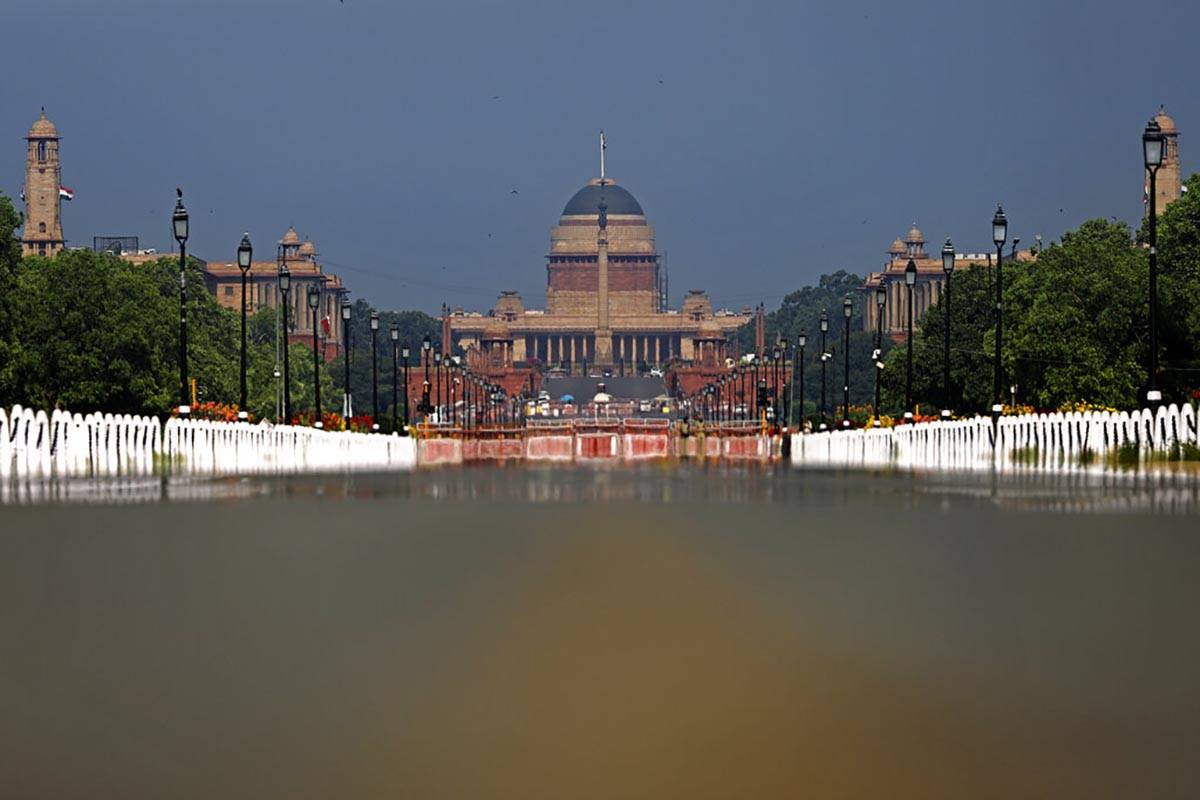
(603, 327)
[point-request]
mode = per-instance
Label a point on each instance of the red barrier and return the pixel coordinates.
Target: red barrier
(597, 445)
(432, 452)
(550, 448)
(641, 446)
(748, 447)
(500, 449)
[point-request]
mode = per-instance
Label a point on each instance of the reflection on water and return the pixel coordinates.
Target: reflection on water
(1110, 492)
(568, 633)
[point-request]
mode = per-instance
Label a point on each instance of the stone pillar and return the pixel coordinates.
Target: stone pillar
(604, 356)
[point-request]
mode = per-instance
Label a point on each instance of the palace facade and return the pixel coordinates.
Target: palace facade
(606, 304)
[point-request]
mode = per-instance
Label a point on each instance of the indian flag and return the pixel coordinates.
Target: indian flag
(65, 193)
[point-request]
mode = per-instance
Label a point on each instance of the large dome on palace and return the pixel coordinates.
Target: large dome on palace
(586, 201)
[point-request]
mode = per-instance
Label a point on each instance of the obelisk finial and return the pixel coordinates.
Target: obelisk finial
(603, 147)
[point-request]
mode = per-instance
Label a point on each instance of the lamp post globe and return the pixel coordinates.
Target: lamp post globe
(245, 254)
(999, 236)
(1153, 152)
(179, 226)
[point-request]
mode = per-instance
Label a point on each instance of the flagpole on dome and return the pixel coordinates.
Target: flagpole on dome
(603, 147)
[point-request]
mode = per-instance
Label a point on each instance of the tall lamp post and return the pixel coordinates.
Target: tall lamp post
(999, 235)
(446, 362)
(244, 253)
(801, 341)
(347, 409)
(374, 372)
(847, 313)
(948, 268)
(394, 331)
(877, 356)
(314, 302)
(285, 286)
(910, 280)
(437, 384)
(179, 223)
(1153, 146)
(784, 389)
(425, 346)
(404, 353)
(824, 358)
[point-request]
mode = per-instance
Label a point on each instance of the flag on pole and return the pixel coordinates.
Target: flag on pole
(65, 193)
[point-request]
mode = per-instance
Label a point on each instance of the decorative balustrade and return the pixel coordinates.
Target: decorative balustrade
(62, 444)
(1062, 442)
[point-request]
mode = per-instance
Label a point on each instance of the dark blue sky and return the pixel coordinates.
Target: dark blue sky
(767, 141)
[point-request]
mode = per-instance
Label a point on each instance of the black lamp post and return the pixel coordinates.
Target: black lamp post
(877, 356)
(786, 384)
(314, 302)
(179, 223)
(1153, 151)
(285, 287)
(244, 253)
(374, 372)
(776, 399)
(801, 341)
(437, 383)
(910, 280)
(446, 362)
(999, 235)
(948, 268)
(346, 400)
(404, 353)
(394, 331)
(824, 358)
(847, 313)
(425, 347)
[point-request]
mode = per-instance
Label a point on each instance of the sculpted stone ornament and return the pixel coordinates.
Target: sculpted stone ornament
(603, 215)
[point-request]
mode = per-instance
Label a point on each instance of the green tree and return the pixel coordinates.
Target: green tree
(1179, 293)
(10, 261)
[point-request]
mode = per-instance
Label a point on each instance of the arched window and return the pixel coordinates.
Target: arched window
(42, 150)
(41, 227)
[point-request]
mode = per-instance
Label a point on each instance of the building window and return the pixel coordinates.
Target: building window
(42, 249)
(41, 227)
(42, 150)
(229, 291)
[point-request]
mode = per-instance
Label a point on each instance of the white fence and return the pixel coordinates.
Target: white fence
(62, 444)
(1076, 441)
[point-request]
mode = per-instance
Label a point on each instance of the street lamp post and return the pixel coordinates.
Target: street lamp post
(999, 235)
(437, 383)
(395, 334)
(446, 362)
(314, 302)
(404, 353)
(785, 388)
(877, 356)
(374, 372)
(824, 358)
(244, 253)
(179, 223)
(1153, 146)
(346, 402)
(847, 313)
(425, 409)
(285, 286)
(948, 268)
(801, 341)
(910, 280)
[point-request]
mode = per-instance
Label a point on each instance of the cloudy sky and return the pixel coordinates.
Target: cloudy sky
(767, 141)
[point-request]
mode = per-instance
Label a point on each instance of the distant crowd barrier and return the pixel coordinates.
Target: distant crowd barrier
(62, 444)
(1062, 442)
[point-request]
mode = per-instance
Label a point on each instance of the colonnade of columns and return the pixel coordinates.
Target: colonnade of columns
(631, 348)
(895, 311)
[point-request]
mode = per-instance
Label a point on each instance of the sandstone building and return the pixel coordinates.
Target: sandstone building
(43, 233)
(1168, 184)
(605, 299)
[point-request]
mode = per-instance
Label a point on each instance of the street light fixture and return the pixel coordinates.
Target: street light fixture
(801, 341)
(425, 347)
(910, 280)
(374, 372)
(179, 223)
(847, 312)
(824, 322)
(314, 302)
(244, 254)
(285, 286)
(786, 388)
(948, 268)
(1153, 152)
(877, 356)
(999, 235)
(347, 405)
(394, 331)
(404, 354)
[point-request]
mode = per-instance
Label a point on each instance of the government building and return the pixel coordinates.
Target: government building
(606, 300)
